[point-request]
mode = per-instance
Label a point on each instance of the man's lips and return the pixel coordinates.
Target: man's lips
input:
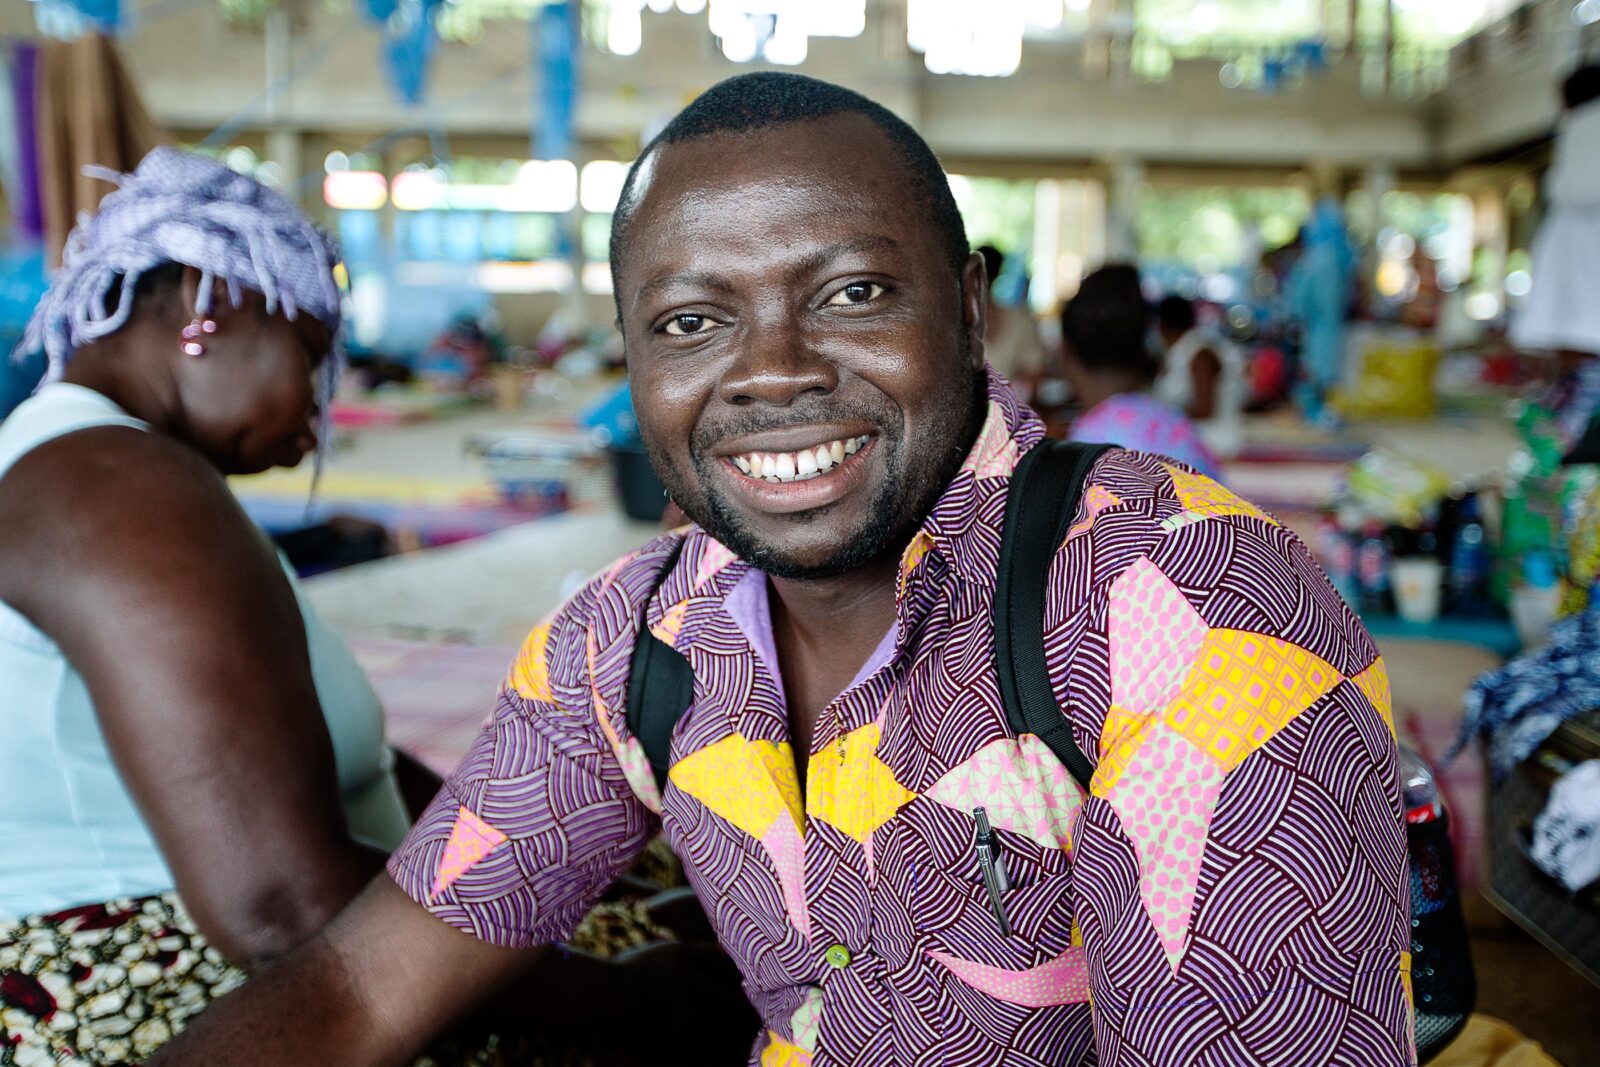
(802, 479)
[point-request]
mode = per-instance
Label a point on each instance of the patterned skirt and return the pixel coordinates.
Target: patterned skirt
(104, 983)
(110, 983)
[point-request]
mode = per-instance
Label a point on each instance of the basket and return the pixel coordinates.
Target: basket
(1567, 923)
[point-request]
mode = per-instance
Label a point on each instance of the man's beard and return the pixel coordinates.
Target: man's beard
(902, 503)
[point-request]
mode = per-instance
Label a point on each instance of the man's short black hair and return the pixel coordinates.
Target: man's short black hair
(763, 99)
(1581, 86)
(1176, 313)
(1107, 323)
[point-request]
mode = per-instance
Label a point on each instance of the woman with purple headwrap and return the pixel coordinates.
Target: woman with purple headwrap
(192, 769)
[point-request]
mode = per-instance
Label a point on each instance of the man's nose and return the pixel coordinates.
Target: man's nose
(777, 365)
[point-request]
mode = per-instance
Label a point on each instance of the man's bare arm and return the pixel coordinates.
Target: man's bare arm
(371, 989)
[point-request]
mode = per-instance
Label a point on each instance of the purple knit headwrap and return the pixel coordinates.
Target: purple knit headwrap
(177, 207)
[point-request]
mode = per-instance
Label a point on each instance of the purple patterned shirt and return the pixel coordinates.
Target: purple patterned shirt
(1233, 891)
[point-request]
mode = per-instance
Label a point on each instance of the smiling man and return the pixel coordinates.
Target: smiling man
(803, 323)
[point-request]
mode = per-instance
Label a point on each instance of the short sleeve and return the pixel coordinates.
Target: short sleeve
(539, 818)
(1239, 870)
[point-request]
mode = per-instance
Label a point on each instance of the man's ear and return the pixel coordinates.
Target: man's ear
(975, 305)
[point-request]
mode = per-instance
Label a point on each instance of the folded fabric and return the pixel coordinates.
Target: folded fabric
(1517, 706)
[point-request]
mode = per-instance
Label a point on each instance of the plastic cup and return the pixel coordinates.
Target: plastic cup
(1417, 582)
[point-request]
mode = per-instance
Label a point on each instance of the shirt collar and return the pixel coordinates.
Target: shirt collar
(964, 525)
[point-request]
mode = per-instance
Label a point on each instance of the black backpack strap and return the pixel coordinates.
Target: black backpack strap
(1040, 504)
(660, 685)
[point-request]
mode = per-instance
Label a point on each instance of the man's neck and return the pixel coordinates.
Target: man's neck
(824, 631)
(843, 609)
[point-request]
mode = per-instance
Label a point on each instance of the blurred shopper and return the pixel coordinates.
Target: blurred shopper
(1202, 375)
(1105, 346)
(1317, 292)
(1562, 315)
(194, 764)
(1010, 337)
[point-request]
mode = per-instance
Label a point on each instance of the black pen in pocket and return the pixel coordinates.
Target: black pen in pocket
(992, 865)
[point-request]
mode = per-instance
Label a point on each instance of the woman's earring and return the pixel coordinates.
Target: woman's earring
(192, 333)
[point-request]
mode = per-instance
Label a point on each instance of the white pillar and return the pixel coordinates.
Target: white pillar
(1378, 180)
(286, 148)
(1122, 244)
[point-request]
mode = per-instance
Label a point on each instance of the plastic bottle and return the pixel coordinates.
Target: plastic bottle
(1467, 572)
(1372, 571)
(1418, 788)
(1537, 599)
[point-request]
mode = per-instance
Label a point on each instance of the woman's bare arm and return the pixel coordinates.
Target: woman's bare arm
(132, 555)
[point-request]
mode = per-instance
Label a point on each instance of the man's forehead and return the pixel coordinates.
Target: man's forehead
(842, 148)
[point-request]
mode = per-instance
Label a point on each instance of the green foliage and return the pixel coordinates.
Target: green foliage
(997, 211)
(1215, 228)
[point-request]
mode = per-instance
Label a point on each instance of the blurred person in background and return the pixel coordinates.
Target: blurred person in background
(1105, 347)
(1317, 292)
(195, 766)
(1010, 337)
(1202, 375)
(1561, 314)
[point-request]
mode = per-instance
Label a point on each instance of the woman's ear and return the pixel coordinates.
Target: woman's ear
(216, 306)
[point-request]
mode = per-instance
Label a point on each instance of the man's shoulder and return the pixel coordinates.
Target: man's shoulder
(1136, 505)
(604, 611)
(1155, 541)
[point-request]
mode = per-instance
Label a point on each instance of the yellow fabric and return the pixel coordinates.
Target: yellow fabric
(855, 794)
(749, 783)
(530, 673)
(1488, 1042)
(1243, 689)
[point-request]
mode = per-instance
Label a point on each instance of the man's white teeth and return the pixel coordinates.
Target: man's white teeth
(801, 465)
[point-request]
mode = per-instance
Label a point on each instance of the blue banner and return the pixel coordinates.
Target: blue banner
(556, 31)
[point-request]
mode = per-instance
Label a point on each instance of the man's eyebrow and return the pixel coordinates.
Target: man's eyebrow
(821, 257)
(702, 278)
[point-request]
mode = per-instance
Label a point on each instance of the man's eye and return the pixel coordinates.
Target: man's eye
(687, 325)
(855, 293)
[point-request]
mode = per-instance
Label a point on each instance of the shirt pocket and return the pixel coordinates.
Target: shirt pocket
(1026, 992)
(955, 915)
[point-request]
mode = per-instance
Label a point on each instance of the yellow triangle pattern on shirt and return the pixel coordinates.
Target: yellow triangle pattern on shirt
(1203, 499)
(530, 671)
(854, 792)
(1242, 689)
(748, 783)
